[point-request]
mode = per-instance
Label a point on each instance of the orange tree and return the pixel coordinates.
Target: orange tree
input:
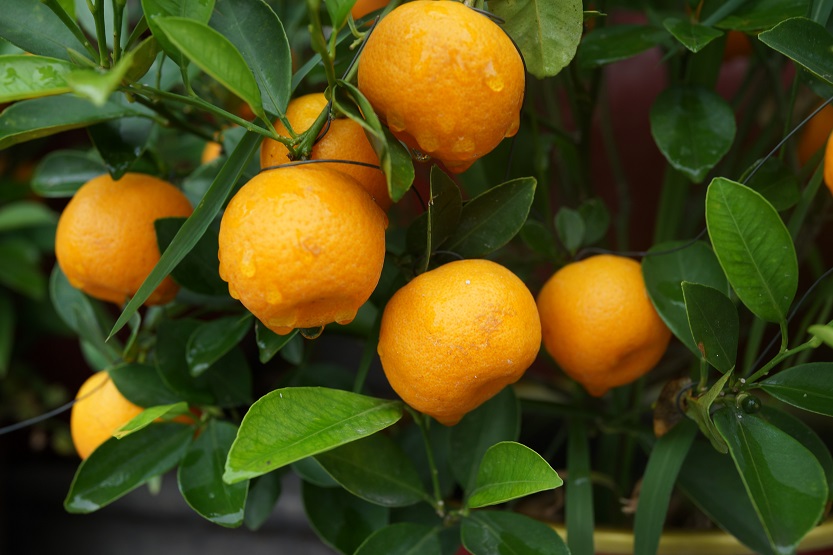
(531, 134)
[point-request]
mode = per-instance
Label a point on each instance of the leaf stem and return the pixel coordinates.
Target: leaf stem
(764, 370)
(70, 24)
(422, 421)
(100, 32)
(118, 14)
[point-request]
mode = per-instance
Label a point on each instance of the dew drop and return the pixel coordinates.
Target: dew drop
(495, 83)
(468, 282)
(311, 333)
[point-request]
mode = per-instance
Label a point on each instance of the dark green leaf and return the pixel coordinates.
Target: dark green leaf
(712, 482)
(596, 220)
(539, 238)
(508, 471)
(610, 44)
(666, 267)
(693, 128)
(579, 514)
(230, 379)
(264, 492)
(26, 213)
(258, 34)
(785, 482)
(806, 386)
(310, 470)
(547, 32)
(32, 76)
(119, 466)
(493, 218)
(402, 538)
(699, 410)
(496, 420)
(776, 183)
(753, 247)
(435, 225)
(570, 228)
(36, 29)
(693, 36)
(40, 117)
(120, 142)
(198, 10)
(143, 57)
(412, 442)
(763, 14)
(714, 324)
(195, 226)
(664, 463)
(215, 55)
(200, 477)
(805, 42)
(149, 416)
(199, 270)
(20, 270)
(340, 519)
(489, 532)
(211, 340)
(375, 469)
(7, 327)
(269, 342)
(289, 424)
(60, 173)
(293, 351)
(141, 385)
(173, 368)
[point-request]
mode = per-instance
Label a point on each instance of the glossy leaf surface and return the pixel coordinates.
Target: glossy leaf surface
(340, 519)
(488, 532)
(714, 324)
(806, 386)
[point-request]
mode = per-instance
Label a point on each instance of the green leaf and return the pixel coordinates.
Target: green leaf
(785, 482)
(693, 36)
(753, 247)
(195, 226)
(27, 120)
(496, 420)
(7, 333)
(394, 159)
(547, 32)
(823, 333)
(806, 386)
(32, 76)
(539, 238)
(211, 340)
(776, 183)
(36, 29)
(60, 173)
(200, 477)
(25, 214)
(117, 467)
(763, 14)
(310, 470)
(402, 538)
(142, 385)
(198, 10)
(149, 416)
(699, 410)
(493, 218)
(805, 42)
(20, 270)
(489, 532)
(289, 424)
(693, 128)
(714, 324)
(712, 482)
(439, 221)
(666, 267)
(338, 11)
(570, 228)
(269, 342)
(618, 42)
(259, 36)
(97, 85)
(230, 379)
(120, 142)
(579, 514)
(264, 492)
(215, 55)
(508, 471)
(199, 270)
(664, 463)
(596, 220)
(340, 519)
(375, 469)
(143, 57)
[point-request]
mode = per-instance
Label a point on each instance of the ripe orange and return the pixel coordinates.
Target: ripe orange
(106, 241)
(99, 411)
(302, 246)
(211, 152)
(599, 324)
(363, 7)
(828, 164)
(814, 134)
(455, 336)
(343, 140)
(446, 80)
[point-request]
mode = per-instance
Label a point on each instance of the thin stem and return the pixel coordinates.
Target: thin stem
(71, 24)
(422, 422)
(368, 354)
(784, 335)
(171, 118)
(136, 33)
(118, 14)
(100, 32)
(810, 344)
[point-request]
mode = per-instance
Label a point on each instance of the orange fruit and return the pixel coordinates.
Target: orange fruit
(363, 7)
(211, 152)
(828, 163)
(737, 45)
(599, 324)
(343, 140)
(446, 80)
(302, 246)
(455, 336)
(106, 241)
(99, 410)
(814, 134)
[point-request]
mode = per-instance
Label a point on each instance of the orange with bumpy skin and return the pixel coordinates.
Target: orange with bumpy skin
(106, 241)
(445, 79)
(100, 409)
(599, 324)
(455, 336)
(301, 247)
(343, 140)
